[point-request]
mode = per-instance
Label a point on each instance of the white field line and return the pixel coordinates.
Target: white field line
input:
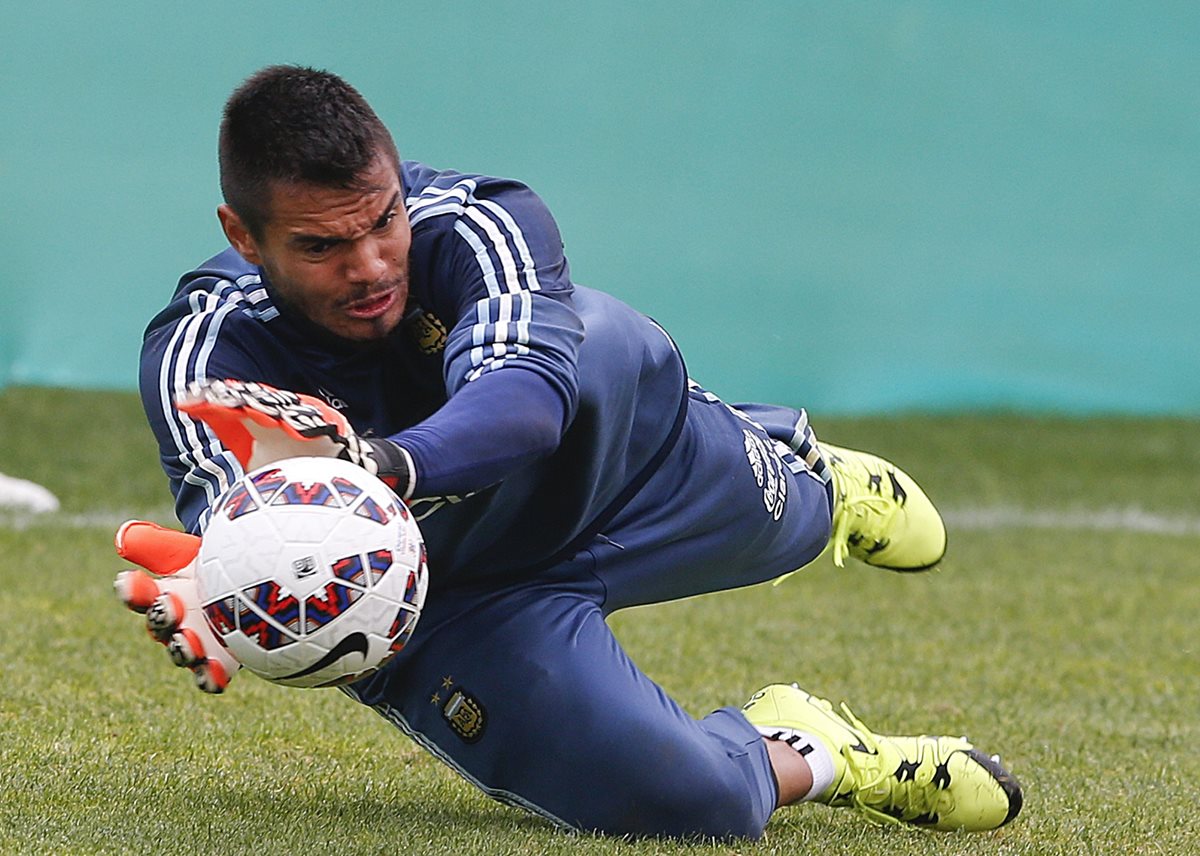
(99, 519)
(1132, 520)
(986, 519)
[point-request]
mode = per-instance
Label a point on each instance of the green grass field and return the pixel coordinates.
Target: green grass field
(1061, 631)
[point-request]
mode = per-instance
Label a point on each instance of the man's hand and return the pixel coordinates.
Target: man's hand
(261, 424)
(170, 600)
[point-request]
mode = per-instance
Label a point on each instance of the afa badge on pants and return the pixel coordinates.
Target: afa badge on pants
(466, 716)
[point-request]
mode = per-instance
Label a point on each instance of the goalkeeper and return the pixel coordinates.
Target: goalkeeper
(561, 465)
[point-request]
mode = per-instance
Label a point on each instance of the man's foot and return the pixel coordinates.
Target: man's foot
(880, 515)
(934, 782)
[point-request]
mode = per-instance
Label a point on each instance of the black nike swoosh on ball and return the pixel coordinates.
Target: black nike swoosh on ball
(350, 644)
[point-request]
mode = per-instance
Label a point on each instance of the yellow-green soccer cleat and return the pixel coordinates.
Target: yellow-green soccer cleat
(880, 515)
(933, 782)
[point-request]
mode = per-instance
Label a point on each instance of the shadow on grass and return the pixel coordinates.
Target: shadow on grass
(440, 813)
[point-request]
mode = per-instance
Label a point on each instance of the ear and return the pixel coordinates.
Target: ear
(238, 234)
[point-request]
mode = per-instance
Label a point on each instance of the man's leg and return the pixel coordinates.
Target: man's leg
(936, 782)
(881, 515)
(526, 693)
(699, 526)
(749, 494)
(729, 507)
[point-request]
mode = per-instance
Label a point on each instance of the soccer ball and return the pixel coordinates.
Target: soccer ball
(311, 572)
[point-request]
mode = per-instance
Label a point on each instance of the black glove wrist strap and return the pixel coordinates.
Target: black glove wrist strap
(393, 464)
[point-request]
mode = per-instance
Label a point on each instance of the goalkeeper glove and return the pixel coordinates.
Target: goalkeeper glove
(261, 424)
(170, 600)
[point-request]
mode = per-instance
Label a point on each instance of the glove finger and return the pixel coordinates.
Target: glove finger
(194, 646)
(225, 422)
(136, 589)
(333, 418)
(185, 648)
(234, 399)
(159, 550)
(163, 616)
(301, 416)
(299, 422)
(211, 676)
(240, 393)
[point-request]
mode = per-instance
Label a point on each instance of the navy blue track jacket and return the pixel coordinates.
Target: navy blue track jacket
(532, 408)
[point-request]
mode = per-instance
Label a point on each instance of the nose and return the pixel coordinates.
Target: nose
(366, 263)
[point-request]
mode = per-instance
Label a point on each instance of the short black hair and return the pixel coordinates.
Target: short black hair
(289, 123)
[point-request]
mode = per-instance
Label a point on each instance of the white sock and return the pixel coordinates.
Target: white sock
(814, 752)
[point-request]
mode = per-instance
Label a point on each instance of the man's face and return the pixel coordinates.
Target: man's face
(340, 257)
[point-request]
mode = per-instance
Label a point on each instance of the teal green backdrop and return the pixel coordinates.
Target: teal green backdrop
(853, 206)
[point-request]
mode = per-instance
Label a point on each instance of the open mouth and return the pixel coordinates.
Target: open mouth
(373, 306)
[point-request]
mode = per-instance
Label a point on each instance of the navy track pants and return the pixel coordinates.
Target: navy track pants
(524, 690)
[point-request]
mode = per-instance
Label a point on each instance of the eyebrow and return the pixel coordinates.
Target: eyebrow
(391, 206)
(301, 238)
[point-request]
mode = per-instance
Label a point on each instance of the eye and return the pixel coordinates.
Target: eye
(318, 248)
(385, 220)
